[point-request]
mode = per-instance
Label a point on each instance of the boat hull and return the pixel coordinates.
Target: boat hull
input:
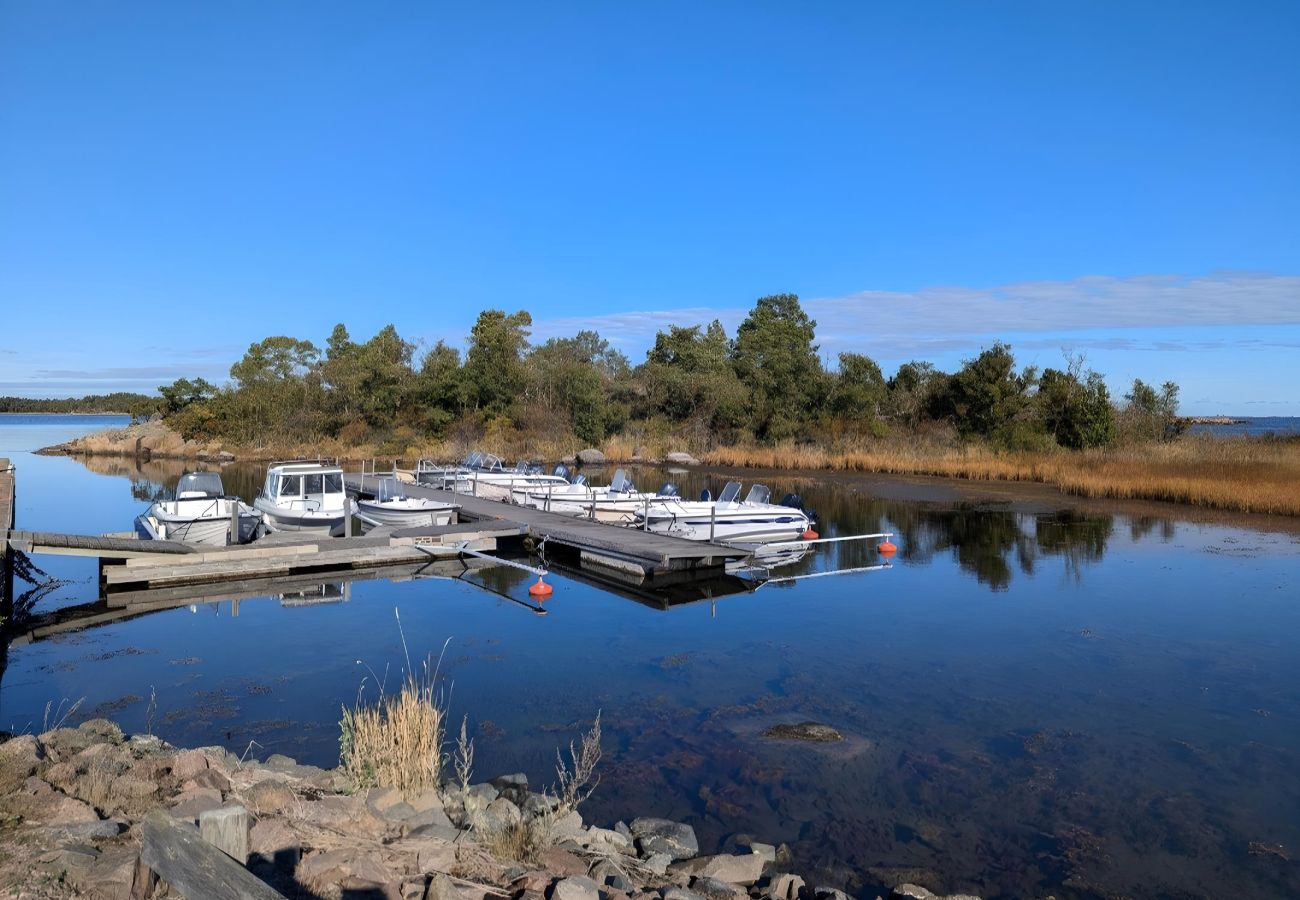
(308, 521)
(211, 529)
(406, 518)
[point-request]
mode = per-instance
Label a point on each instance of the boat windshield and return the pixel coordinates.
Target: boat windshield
(473, 459)
(199, 484)
(730, 493)
(579, 480)
(389, 489)
(621, 484)
(669, 490)
(561, 471)
(490, 463)
(759, 494)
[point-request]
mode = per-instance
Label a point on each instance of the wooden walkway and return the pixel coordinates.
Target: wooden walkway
(601, 545)
(7, 488)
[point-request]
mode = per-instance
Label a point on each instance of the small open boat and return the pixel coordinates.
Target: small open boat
(200, 514)
(618, 503)
(391, 506)
(755, 519)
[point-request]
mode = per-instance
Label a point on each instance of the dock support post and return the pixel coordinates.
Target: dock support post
(7, 502)
(234, 521)
(713, 522)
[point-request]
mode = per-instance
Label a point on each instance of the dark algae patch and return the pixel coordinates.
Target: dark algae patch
(810, 732)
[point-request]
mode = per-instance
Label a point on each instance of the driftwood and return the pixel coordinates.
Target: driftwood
(193, 867)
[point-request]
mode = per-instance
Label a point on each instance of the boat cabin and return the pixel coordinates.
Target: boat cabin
(305, 486)
(200, 486)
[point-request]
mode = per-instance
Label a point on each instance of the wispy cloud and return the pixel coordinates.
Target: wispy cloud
(943, 319)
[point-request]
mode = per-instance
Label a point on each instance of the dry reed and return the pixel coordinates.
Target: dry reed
(1246, 475)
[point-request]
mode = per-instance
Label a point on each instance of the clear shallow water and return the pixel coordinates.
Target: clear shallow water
(1086, 706)
(1253, 426)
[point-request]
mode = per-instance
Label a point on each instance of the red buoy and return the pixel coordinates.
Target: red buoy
(810, 535)
(886, 548)
(541, 590)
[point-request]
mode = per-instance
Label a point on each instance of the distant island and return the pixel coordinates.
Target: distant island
(1213, 420)
(120, 403)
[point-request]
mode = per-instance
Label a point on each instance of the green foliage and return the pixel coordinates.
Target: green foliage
(775, 357)
(121, 402)
(987, 396)
(1076, 413)
(576, 379)
(494, 368)
(912, 392)
(182, 392)
(858, 391)
(687, 377)
(1151, 415)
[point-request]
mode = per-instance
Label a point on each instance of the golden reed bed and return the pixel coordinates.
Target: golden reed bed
(1248, 475)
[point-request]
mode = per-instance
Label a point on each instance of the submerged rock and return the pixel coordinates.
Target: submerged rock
(590, 457)
(681, 458)
(810, 732)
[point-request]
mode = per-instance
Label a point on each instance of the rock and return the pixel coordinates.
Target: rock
(347, 815)
(432, 854)
(426, 800)
(112, 875)
(513, 787)
(717, 889)
(739, 869)
(683, 459)
(766, 851)
(68, 811)
(590, 457)
(533, 881)
(657, 862)
(275, 841)
(340, 867)
(575, 887)
(813, 732)
(664, 836)
(189, 765)
(381, 800)
(501, 814)
(20, 757)
(100, 731)
(539, 805)
(84, 832)
(916, 892)
(189, 805)
(35, 787)
(604, 838)
(607, 874)
(829, 893)
(784, 887)
(680, 893)
(481, 794)
(621, 827)
(441, 887)
(568, 827)
(209, 778)
(559, 861)
(280, 762)
(447, 832)
(268, 797)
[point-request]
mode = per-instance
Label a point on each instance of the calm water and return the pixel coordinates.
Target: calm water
(1087, 706)
(1254, 426)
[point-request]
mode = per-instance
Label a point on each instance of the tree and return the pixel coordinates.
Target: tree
(574, 380)
(440, 388)
(911, 392)
(494, 370)
(688, 377)
(986, 396)
(1075, 411)
(272, 359)
(182, 392)
(1151, 414)
(858, 391)
(776, 359)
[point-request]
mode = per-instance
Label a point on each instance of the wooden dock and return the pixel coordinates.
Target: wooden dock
(634, 555)
(7, 488)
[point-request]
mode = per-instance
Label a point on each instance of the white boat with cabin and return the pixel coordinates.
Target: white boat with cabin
(496, 482)
(200, 513)
(303, 496)
(390, 505)
(755, 519)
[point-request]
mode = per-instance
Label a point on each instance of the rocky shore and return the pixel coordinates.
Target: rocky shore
(144, 441)
(73, 800)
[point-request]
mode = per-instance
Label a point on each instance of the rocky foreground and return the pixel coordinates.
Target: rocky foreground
(72, 802)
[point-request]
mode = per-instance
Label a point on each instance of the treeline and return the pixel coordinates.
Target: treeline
(121, 402)
(766, 383)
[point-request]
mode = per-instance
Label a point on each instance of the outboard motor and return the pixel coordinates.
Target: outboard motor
(533, 470)
(669, 490)
(562, 471)
(706, 495)
(794, 501)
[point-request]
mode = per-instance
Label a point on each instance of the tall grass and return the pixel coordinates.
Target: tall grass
(1243, 474)
(397, 740)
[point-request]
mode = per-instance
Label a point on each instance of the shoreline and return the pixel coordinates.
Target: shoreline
(73, 800)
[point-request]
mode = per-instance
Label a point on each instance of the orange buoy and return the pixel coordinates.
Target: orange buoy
(810, 535)
(886, 548)
(541, 590)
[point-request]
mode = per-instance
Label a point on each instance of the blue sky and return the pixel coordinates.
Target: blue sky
(178, 180)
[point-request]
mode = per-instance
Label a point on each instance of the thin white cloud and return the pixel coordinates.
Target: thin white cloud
(939, 319)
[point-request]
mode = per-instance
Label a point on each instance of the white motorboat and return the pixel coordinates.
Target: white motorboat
(391, 506)
(200, 514)
(303, 496)
(617, 504)
(434, 474)
(755, 519)
(499, 483)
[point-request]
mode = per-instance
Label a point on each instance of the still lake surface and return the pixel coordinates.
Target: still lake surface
(1073, 704)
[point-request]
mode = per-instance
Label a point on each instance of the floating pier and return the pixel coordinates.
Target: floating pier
(6, 525)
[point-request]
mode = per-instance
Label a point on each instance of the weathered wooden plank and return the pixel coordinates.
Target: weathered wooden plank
(199, 871)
